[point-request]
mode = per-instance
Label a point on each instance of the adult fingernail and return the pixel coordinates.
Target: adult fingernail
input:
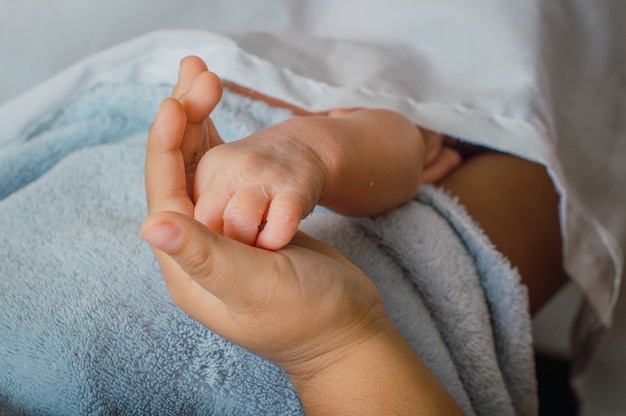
(165, 236)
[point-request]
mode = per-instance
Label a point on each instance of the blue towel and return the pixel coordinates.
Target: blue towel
(88, 328)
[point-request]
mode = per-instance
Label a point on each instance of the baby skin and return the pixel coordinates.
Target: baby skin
(256, 190)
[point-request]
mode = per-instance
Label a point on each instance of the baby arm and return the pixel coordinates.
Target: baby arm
(355, 162)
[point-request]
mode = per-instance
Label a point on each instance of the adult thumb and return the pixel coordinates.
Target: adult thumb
(185, 249)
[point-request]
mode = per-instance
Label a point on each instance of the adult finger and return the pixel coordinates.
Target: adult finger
(234, 273)
(202, 96)
(166, 190)
(214, 137)
(200, 134)
(190, 68)
(165, 179)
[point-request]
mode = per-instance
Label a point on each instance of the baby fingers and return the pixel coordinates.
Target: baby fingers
(244, 214)
(252, 216)
(283, 218)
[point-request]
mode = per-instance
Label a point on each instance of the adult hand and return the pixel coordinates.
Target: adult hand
(291, 306)
(304, 307)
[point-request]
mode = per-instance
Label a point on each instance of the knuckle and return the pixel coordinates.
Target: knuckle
(198, 264)
(287, 210)
(243, 217)
(285, 217)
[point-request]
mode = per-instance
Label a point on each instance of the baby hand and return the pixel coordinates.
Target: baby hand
(257, 190)
(291, 306)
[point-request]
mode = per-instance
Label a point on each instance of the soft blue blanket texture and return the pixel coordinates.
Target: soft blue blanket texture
(88, 328)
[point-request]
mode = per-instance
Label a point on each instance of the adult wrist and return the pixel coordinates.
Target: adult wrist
(380, 374)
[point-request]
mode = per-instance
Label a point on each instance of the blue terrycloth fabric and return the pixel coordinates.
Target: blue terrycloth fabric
(88, 328)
